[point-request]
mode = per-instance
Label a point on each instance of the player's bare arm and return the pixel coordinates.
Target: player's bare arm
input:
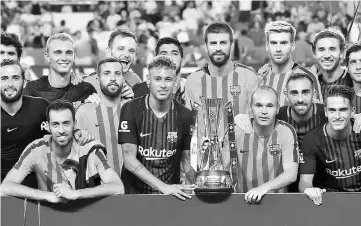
(188, 169)
(132, 164)
(111, 185)
(12, 186)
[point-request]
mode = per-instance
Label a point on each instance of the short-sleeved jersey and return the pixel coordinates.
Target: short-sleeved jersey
(160, 141)
(102, 122)
(344, 79)
(278, 81)
(339, 159)
(357, 104)
(238, 86)
(19, 130)
(318, 117)
(260, 159)
(81, 169)
(72, 93)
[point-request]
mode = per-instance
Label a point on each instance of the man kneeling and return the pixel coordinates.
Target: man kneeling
(64, 170)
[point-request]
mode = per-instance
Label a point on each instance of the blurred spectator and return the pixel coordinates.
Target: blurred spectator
(15, 26)
(82, 48)
(112, 19)
(303, 53)
(245, 47)
(315, 26)
(257, 34)
(62, 28)
(165, 27)
(173, 9)
(46, 21)
(191, 15)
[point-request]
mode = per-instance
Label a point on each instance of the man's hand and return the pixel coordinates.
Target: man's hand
(176, 190)
(82, 136)
(54, 199)
(243, 122)
(64, 191)
(357, 124)
(315, 194)
(255, 195)
(75, 78)
(94, 98)
(127, 92)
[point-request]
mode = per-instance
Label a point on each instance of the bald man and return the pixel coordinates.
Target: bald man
(266, 160)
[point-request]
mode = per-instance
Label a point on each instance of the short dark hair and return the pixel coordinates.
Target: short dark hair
(107, 60)
(356, 47)
(331, 32)
(218, 28)
(162, 62)
(340, 91)
(298, 76)
(10, 39)
(7, 62)
(169, 40)
(60, 105)
(123, 33)
(268, 88)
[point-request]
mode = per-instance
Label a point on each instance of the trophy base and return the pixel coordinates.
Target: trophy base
(210, 191)
(213, 181)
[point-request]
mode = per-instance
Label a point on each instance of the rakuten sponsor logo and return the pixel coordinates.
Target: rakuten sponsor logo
(339, 174)
(154, 154)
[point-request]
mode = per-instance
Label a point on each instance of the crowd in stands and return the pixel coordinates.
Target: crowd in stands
(33, 22)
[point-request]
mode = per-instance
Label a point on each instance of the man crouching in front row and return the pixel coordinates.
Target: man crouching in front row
(64, 170)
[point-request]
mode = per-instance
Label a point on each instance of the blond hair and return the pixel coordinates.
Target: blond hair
(280, 26)
(59, 36)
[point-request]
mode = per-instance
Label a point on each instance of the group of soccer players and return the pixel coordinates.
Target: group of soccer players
(109, 133)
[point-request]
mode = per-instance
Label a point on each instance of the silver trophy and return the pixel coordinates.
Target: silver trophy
(206, 147)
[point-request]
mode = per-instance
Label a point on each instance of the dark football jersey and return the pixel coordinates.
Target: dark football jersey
(339, 159)
(318, 117)
(19, 130)
(160, 141)
(72, 93)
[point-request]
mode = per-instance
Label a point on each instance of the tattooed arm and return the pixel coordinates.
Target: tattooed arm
(132, 164)
(188, 169)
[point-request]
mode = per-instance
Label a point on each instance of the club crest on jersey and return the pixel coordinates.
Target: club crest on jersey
(172, 137)
(274, 149)
(358, 154)
(234, 163)
(235, 90)
(191, 129)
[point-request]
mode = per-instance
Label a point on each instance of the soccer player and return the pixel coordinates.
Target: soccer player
(280, 43)
(23, 118)
(334, 147)
(64, 169)
(167, 47)
(221, 78)
(353, 62)
(102, 120)
(60, 54)
(154, 134)
(265, 161)
(122, 44)
(328, 48)
(12, 49)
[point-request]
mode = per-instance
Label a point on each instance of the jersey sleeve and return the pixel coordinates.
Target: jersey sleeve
(98, 159)
(26, 161)
(308, 155)
(80, 116)
(188, 93)
(127, 131)
(290, 151)
(252, 85)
